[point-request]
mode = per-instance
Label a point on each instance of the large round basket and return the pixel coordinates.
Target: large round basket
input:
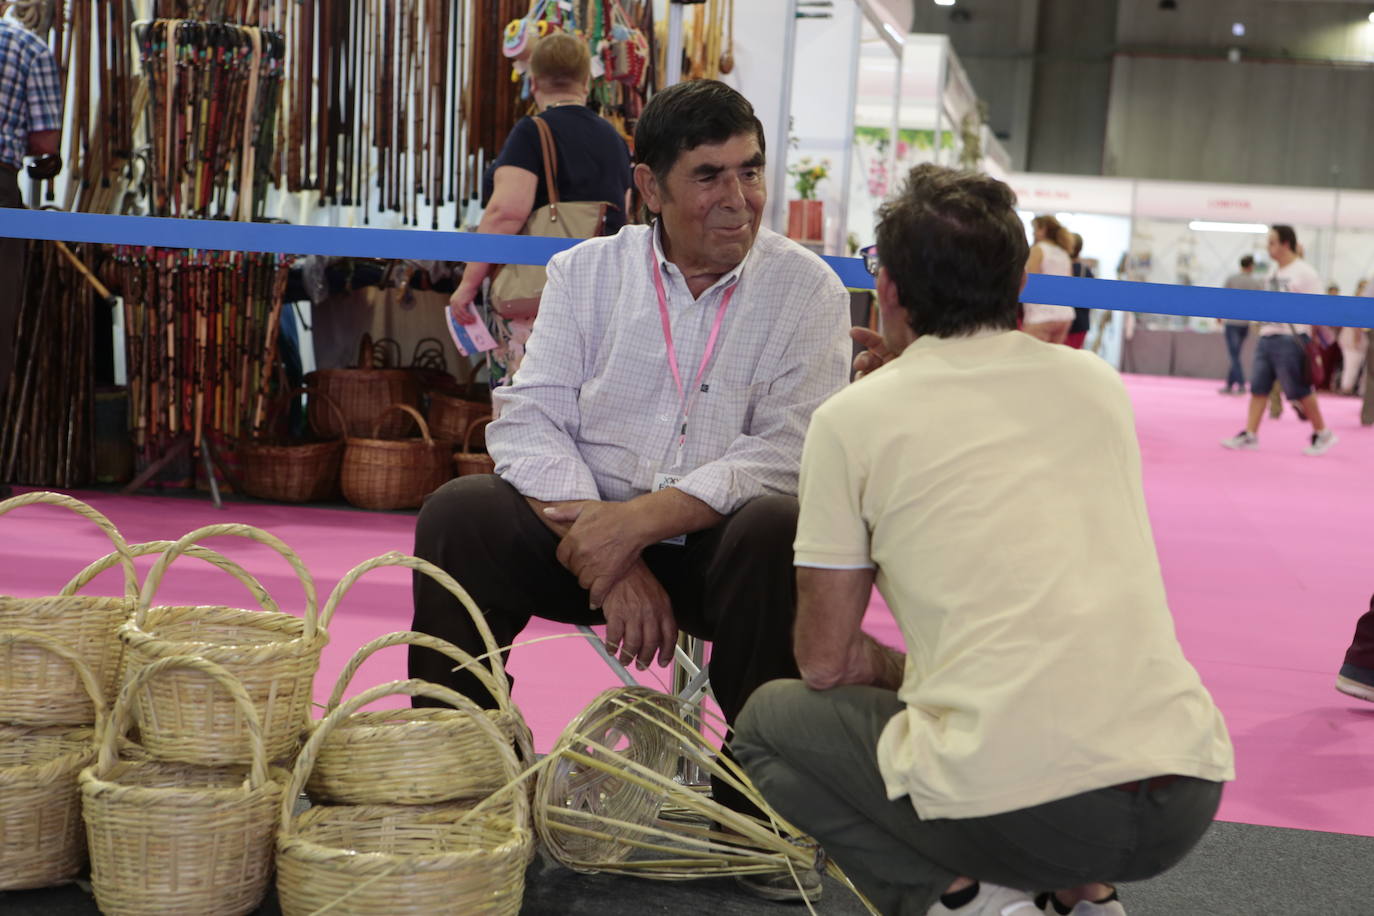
(601, 790)
(397, 860)
(35, 687)
(394, 473)
(297, 472)
(171, 838)
(450, 415)
(41, 841)
(361, 395)
(468, 461)
(183, 717)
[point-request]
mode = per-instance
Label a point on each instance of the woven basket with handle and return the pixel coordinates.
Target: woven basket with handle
(361, 394)
(41, 841)
(394, 473)
(467, 461)
(36, 687)
(450, 415)
(273, 655)
(167, 837)
(424, 755)
(399, 860)
(293, 472)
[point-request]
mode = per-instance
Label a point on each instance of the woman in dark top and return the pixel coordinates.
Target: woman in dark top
(593, 161)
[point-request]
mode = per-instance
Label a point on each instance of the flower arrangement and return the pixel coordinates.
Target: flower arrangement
(808, 175)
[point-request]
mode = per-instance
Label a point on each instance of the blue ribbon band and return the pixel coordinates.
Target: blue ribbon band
(427, 245)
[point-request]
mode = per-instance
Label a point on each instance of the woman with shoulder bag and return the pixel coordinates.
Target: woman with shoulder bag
(590, 166)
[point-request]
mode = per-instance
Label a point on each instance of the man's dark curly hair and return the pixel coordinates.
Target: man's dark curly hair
(953, 245)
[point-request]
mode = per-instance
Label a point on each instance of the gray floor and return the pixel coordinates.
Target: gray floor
(1237, 870)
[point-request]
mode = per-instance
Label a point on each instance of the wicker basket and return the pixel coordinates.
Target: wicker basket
(450, 415)
(293, 473)
(35, 687)
(394, 473)
(395, 860)
(466, 461)
(170, 838)
(182, 717)
(41, 841)
(361, 395)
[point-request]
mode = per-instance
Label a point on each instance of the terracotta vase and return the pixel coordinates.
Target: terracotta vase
(806, 220)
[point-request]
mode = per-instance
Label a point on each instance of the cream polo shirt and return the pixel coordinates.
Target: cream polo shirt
(994, 481)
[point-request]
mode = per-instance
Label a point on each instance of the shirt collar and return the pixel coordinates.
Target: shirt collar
(730, 277)
(931, 342)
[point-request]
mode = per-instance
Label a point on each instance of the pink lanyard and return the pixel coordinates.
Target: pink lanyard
(687, 397)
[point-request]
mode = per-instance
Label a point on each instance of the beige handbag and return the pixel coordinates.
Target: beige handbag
(515, 288)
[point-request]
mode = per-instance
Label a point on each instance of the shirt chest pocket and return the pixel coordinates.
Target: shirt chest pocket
(722, 412)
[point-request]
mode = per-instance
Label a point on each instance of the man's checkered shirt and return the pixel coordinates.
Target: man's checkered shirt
(30, 91)
(594, 413)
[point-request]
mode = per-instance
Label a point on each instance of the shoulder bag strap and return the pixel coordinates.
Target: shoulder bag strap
(550, 150)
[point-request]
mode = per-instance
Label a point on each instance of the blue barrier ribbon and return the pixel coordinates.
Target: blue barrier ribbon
(426, 245)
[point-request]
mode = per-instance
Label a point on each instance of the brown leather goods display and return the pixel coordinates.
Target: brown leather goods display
(516, 288)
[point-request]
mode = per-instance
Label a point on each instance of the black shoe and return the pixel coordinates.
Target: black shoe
(782, 887)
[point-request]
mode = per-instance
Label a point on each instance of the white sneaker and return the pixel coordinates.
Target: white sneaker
(1352, 687)
(1244, 440)
(992, 900)
(1087, 908)
(1321, 442)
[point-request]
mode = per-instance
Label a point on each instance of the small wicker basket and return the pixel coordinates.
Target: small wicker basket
(274, 655)
(361, 395)
(450, 415)
(396, 860)
(466, 461)
(41, 841)
(35, 687)
(394, 473)
(170, 838)
(298, 472)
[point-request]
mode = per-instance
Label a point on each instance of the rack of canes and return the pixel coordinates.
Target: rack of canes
(604, 788)
(274, 655)
(37, 687)
(398, 860)
(41, 841)
(173, 837)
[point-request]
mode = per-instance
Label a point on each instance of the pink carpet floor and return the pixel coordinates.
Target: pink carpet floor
(1265, 555)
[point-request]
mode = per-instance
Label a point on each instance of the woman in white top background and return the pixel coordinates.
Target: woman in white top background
(1049, 255)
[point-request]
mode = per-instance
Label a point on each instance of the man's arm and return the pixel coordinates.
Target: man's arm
(830, 647)
(45, 143)
(512, 201)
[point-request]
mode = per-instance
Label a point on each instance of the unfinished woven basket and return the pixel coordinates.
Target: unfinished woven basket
(396, 860)
(394, 473)
(298, 472)
(182, 717)
(467, 461)
(35, 687)
(41, 840)
(601, 788)
(166, 837)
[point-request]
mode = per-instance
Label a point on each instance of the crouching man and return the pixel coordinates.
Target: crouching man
(1044, 731)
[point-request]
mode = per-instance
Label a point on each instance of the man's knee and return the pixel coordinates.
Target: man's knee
(470, 500)
(767, 524)
(765, 713)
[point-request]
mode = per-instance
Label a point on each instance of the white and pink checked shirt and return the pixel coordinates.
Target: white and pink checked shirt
(594, 412)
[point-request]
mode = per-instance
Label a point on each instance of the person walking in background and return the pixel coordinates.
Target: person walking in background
(1354, 344)
(1082, 318)
(1049, 255)
(1367, 408)
(1280, 352)
(1237, 329)
(30, 125)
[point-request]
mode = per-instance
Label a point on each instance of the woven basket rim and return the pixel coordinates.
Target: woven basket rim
(27, 775)
(302, 844)
(182, 796)
(253, 449)
(291, 647)
(8, 602)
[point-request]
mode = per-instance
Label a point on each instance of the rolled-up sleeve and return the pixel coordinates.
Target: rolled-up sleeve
(534, 443)
(765, 458)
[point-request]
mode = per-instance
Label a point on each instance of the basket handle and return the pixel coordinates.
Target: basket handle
(120, 718)
(479, 620)
(424, 427)
(431, 358)
(150, 585)
(284, 401)
(365, 351)
(305, 763)
(83, 671)
(259, 593)
(493, 684)
(104, 524)
(472, 427)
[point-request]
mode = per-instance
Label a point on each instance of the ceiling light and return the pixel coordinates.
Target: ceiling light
(944, 2)
(1199, 225)
(1238, 29)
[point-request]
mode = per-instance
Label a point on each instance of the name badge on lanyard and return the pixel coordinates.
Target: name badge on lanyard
(661, 482)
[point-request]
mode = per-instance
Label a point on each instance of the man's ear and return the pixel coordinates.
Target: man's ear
(887, 291)
(649, 189)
